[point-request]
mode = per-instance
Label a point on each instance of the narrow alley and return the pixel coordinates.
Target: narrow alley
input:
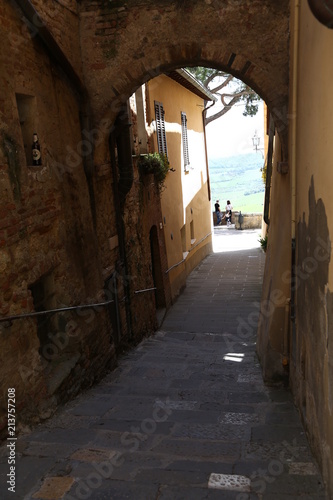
(186, 414)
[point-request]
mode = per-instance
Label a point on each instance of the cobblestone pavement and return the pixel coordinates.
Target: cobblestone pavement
(185, 415)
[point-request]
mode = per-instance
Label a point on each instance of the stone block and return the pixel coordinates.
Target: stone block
(54, 488)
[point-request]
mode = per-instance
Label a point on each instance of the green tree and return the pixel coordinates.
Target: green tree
(228, 90)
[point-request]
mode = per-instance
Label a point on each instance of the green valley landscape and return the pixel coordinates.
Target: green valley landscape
(238, 179)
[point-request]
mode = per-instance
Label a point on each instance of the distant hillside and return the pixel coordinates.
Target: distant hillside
(238, 179)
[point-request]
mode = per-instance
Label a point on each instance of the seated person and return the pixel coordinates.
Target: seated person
(218, 212)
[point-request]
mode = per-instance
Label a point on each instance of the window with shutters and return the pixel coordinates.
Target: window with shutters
(185, 140)
(160, 128)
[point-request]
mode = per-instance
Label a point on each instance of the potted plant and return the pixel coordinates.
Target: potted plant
(156, 164)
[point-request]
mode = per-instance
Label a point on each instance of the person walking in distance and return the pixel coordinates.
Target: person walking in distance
(218, 212)
(228, 212)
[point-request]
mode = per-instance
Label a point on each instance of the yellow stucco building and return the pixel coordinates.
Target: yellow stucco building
(185, 201)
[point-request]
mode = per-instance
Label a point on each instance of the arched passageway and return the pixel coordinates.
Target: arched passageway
(92, 56)
(126, 45)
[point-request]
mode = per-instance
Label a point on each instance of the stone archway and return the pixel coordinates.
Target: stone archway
(126, 44)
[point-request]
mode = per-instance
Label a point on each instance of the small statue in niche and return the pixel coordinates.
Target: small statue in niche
(36, 155)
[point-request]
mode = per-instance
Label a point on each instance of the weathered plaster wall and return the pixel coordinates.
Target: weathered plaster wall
(312, 342)
(276, 288)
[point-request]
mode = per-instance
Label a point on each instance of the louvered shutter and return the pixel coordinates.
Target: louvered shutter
(160, 128)
(185, 139)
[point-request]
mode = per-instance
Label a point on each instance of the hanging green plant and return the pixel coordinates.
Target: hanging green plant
(154, 163)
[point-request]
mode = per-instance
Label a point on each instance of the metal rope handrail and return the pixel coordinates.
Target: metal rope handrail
(53, 311)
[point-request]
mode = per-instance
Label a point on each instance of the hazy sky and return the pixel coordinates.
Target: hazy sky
(232, 133)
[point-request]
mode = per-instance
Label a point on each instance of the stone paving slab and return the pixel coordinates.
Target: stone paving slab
(185, 415)
(29, 471)
(190, 493)
(109, 490)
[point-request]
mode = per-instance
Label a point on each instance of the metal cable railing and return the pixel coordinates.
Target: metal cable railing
(34, 314)
(53, 311)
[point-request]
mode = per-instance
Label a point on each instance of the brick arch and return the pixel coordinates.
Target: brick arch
(126, 44)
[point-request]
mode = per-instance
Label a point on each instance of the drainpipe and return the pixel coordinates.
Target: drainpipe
(205, 142)
(122, 182)
(269, 169)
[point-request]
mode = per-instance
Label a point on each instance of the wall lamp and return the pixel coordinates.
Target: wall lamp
(256, 142)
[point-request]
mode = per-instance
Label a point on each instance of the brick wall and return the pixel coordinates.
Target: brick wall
(126, 43)
(47, 239)
(61, 18)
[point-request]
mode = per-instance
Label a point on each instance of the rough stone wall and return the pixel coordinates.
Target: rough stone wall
(61, 18)
(47, 235)
(250, 221)
(142, 212)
